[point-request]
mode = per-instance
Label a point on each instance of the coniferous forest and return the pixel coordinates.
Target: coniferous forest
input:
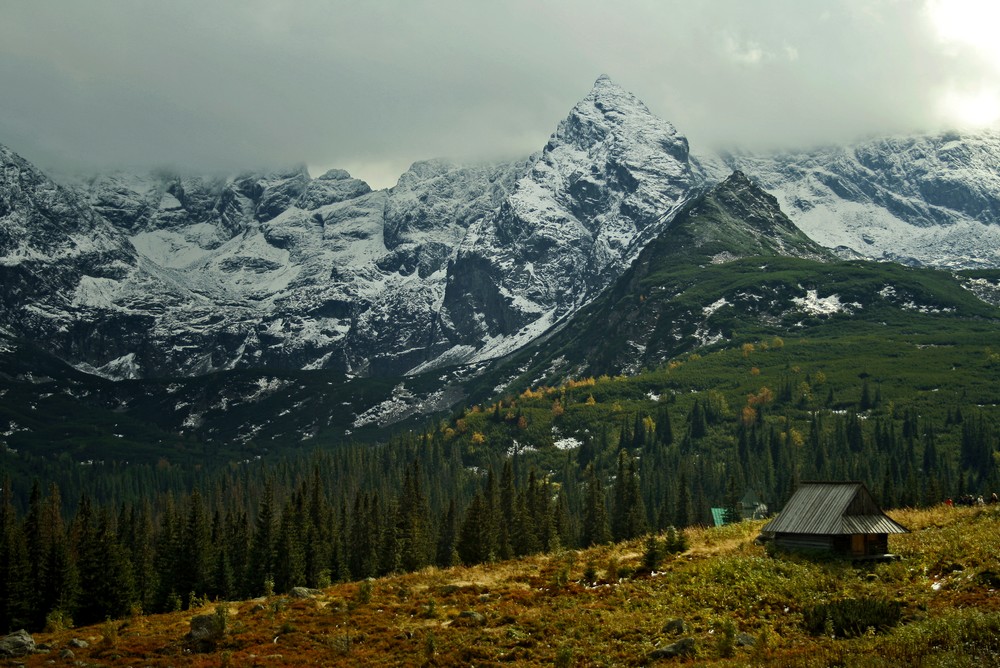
(585, 462)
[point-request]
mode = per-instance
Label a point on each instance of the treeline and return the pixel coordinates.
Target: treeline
(454, 495)
(252, 539)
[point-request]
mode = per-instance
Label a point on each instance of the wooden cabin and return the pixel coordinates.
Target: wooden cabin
(840, 517)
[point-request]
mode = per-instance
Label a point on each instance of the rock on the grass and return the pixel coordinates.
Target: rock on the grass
(206, 631)
(304, 592)
(472, 618)
(19, 643)
(683, 647)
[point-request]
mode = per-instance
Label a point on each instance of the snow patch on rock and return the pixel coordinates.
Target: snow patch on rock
(813, 304)
(714, 306)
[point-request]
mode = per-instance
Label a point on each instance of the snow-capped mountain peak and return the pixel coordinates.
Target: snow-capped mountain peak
(605, 109)
(607, 181)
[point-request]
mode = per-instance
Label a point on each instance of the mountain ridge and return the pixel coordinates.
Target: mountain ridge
(919, 199)
(453, 265)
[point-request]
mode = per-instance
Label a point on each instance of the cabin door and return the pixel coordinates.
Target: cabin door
(858, 544)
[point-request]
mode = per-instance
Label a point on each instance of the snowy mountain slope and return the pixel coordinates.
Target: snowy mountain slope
(41, 222)
(317, 273)
(931, 200)
(53, 249)
(276, 270)
(608, 180)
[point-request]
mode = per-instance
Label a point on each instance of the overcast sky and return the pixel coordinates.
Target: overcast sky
(373, 85)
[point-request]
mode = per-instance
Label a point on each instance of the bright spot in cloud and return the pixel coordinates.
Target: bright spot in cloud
(977, 109)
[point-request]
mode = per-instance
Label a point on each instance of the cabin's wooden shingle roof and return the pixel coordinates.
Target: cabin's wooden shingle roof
(832, 508)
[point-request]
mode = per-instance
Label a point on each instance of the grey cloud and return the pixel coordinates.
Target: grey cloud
(376, 85)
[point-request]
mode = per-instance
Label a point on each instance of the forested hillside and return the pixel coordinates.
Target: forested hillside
(910, 412)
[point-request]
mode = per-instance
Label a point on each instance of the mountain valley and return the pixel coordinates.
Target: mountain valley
(230, 387)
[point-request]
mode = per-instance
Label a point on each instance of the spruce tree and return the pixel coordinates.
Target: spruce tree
(629, 513)
(414, 523)
(539, 528)
(653, 554)
(565, 527)
(697, 421)
(490, 533)
(290, 568)
(667, 513)
(676, 541)
(15, 606)
(524, 540)
(339, 569)
(319, 530)
(260, 561)
(664, 430)
(194, 570)
(117, 590)
(35, 539)
(237, 547)
(138, 537)
(684, 511)
(470, 547)
(169, 540)
(223, 576)
(90, 563)
(106, 585)
(508, 516)
(447, 547)
(638, 433)
(595, 529)
(732, 503)
(359, 545)
(866, 397)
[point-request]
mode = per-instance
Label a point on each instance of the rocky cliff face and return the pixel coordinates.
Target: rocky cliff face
(53, 246)
(731, 266)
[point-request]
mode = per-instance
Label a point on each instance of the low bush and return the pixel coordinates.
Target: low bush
(852, 617)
